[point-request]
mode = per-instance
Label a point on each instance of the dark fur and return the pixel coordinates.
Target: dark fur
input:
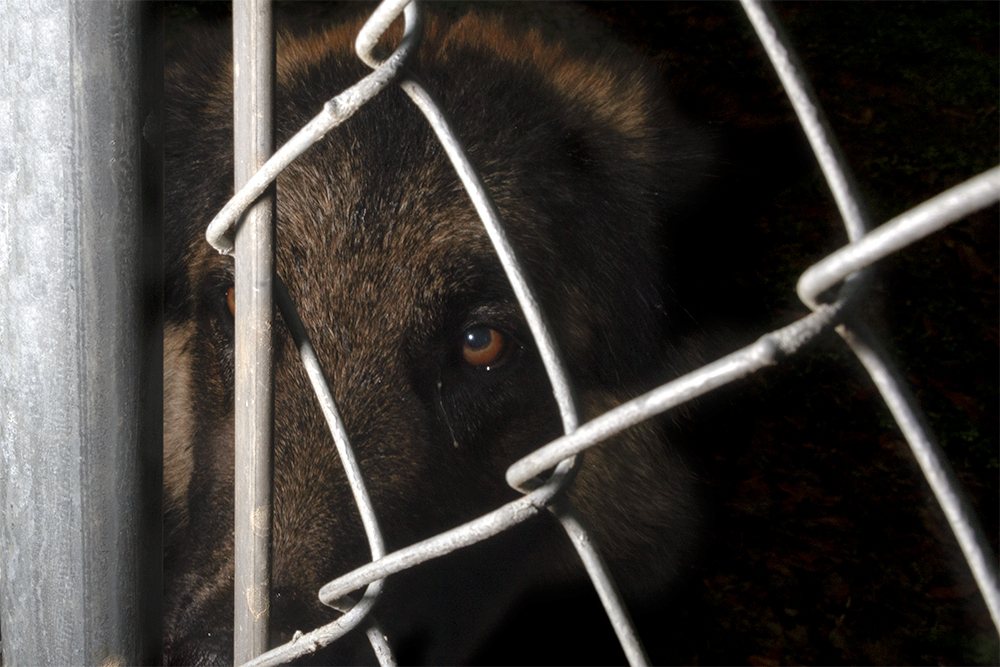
(388, 264)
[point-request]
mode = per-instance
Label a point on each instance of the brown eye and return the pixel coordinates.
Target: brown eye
(231, 300)
(484, 347)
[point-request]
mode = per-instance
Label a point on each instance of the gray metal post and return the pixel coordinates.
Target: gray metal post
(253, 78)
(80, 362)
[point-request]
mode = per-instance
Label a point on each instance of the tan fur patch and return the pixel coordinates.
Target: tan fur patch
(178, 423)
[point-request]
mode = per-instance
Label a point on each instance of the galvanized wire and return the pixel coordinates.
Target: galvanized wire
(310, 642)
(548, 349)
(601, 579)
(932, 461)
(333, 420)
(544, 340)
(572, 523)
(810, 114)
(518, 277)
(481, 528)
(766, 351)
(220, 225)
(355, 612)
(952, 205)
(334, 112)
(935, 213)
(561, 453)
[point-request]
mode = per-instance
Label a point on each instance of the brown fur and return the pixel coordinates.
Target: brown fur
(388, 265)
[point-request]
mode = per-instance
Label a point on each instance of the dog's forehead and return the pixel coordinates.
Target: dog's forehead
(335, 210)
(374, 243)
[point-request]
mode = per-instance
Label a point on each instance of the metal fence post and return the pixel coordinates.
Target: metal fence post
(80, 359)
(253, 76)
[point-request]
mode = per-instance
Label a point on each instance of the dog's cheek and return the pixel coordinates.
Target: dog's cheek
(648, 525)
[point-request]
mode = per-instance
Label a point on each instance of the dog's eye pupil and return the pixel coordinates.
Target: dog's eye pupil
(231, 300)
(483, 347)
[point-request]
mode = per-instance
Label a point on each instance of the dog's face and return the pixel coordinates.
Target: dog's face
(420, 336)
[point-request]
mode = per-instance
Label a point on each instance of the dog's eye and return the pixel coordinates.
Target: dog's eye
(484, 347)
(231, 300)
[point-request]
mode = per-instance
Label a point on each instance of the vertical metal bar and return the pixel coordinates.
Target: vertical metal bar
(79, 525)
(253, 76)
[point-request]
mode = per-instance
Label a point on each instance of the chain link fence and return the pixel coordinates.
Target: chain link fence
(841, 274)
(843, 270)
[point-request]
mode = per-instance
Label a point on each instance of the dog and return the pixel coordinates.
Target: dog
(425, 347)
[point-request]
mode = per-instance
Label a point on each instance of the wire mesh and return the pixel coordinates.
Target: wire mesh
(770, 349)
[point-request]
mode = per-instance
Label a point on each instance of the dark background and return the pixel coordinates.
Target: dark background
(824, 546)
